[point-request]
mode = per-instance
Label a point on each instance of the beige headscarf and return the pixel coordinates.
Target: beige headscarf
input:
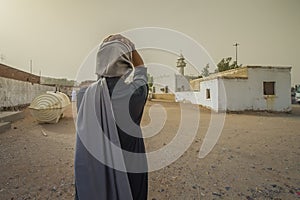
(114, 57)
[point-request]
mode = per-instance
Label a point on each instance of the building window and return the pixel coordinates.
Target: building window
(207, 93)
(269, 88)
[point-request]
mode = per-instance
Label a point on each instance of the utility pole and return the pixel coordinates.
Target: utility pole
(236, 52)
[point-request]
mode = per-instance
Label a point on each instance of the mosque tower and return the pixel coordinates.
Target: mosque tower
(181, 64)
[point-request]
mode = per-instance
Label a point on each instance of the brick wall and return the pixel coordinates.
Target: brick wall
(12, 73)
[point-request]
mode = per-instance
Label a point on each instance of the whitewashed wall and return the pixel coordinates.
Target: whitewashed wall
(182, 83)
(200, 97)
(222, 96)
(244, 94)
(14, 92)
(213, 101)
(247, 94)
(162, 80)
(282, 79)
(238, 94)
(187, 97)
(175, 82)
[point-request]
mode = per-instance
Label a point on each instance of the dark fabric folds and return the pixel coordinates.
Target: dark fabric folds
(99, 106)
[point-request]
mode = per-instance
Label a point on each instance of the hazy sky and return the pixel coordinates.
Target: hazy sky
(58, 34)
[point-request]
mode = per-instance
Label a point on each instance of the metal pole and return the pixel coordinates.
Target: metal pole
(236, 53)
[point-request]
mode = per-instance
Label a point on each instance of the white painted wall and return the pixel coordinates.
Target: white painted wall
(172, 80)
(247, 94)
(14, 92)
(200, 97)
(282, 79)
(187, 97)
(244, 94)
(162, 80)
(222, 96)
(238, 94)
(182, 84)
(213, 101)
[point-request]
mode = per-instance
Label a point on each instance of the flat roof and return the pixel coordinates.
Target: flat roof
(269, 67)
(238, 73)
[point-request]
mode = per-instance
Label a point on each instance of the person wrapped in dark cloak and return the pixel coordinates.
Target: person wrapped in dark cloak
(110, 160)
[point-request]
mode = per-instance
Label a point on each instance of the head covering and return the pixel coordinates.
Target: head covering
(114, 57)
(100, 168)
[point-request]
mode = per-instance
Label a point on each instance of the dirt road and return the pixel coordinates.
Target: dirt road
(256, 157)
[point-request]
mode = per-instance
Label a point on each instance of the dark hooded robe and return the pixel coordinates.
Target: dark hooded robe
(108, 130)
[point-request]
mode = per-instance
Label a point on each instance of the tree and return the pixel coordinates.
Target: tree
(225, 65)
(205, 71)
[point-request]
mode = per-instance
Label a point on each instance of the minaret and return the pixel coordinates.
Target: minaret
(181, 64)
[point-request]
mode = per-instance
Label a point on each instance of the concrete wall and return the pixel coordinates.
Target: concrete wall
(213, 86)
(200, 96)
(187, 97)
(15, 93)
(222, 96)
(168, 97)
(175, 82)
(182, 83)
(281, 101)
(248, 94)
(240, 94)
(167, 79)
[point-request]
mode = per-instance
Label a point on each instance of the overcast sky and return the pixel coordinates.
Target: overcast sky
(58, 34)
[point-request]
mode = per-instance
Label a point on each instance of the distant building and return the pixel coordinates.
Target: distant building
(259, 88)
(57, 81)
(173, 82)
(61, 84)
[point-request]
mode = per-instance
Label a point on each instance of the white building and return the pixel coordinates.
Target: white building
(171, 81)
(174, 82)
(255, 88)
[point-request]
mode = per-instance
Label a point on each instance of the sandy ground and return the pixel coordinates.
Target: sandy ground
(256, 157)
